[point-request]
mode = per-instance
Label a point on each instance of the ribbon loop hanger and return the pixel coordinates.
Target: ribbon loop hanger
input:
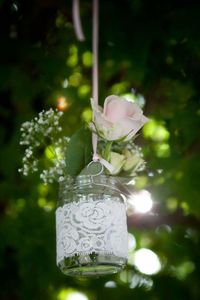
(95, 73)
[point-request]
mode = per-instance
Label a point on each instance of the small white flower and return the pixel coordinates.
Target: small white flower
(61, 178)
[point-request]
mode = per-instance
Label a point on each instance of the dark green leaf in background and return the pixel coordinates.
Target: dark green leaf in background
(79, 151)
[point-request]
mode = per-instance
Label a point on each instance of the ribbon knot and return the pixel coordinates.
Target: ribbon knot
(101, 160)
(95, 157)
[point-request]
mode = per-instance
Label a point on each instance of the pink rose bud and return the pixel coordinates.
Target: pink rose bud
(119, 119)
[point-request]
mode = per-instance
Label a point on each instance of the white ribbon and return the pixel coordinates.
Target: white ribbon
(77, 20)
(95, 80)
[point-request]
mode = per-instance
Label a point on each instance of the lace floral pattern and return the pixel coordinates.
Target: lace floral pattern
(91, 226)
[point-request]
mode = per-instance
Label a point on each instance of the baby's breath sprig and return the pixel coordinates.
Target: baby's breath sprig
(43, 131)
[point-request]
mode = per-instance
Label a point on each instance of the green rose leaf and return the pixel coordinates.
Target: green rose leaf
(79, 151)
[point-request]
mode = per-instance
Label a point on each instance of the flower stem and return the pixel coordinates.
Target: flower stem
(106, 151)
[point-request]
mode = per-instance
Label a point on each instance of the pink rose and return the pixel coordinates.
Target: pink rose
(119, 119)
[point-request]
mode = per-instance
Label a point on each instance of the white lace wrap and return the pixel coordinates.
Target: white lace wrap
(91, 226)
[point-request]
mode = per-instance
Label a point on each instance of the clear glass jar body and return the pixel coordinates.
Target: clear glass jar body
(91, 227)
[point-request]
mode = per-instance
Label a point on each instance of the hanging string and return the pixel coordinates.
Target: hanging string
(95, 43)
(77, 20)
(95, 78)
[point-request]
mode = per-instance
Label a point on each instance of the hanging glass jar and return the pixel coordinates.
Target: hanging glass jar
(91, 226)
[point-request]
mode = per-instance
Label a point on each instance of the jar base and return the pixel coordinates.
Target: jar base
(88, 266)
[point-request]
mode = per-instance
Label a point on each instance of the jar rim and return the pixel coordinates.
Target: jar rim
(112, 182)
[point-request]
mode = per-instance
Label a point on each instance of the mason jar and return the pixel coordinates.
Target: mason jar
(91, 226)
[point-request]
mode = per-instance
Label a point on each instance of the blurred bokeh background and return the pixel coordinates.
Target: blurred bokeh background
(151, 48)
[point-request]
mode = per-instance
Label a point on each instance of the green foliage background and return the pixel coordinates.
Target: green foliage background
(151, 46)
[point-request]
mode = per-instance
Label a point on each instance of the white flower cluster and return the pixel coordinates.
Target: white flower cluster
(39, 133)
(29, 163)
(57, 172)
(45, 125)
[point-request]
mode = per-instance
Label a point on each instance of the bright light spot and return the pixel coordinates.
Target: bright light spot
(65, 83)
(87, 115)
(87, 59)
(147, 262)
(44, 204)
(76, 296)
(84, 90)
(70, 294)
(72, 60)
(43, 189)
(141, 201)
(156, 131)
(133, 97)
(62, 103)
(185, 207)
(129, 97)
(162, 149)
(119, 88)
(14, 7)
(49, 152)
(131, 242)
(110, 284)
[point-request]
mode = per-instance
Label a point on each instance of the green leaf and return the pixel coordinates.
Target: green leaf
(79, 151)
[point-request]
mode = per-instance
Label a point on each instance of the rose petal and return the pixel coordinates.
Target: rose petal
(116, 108)
(125, 128)
(130, 126)
(103, 126)
(144, 119)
